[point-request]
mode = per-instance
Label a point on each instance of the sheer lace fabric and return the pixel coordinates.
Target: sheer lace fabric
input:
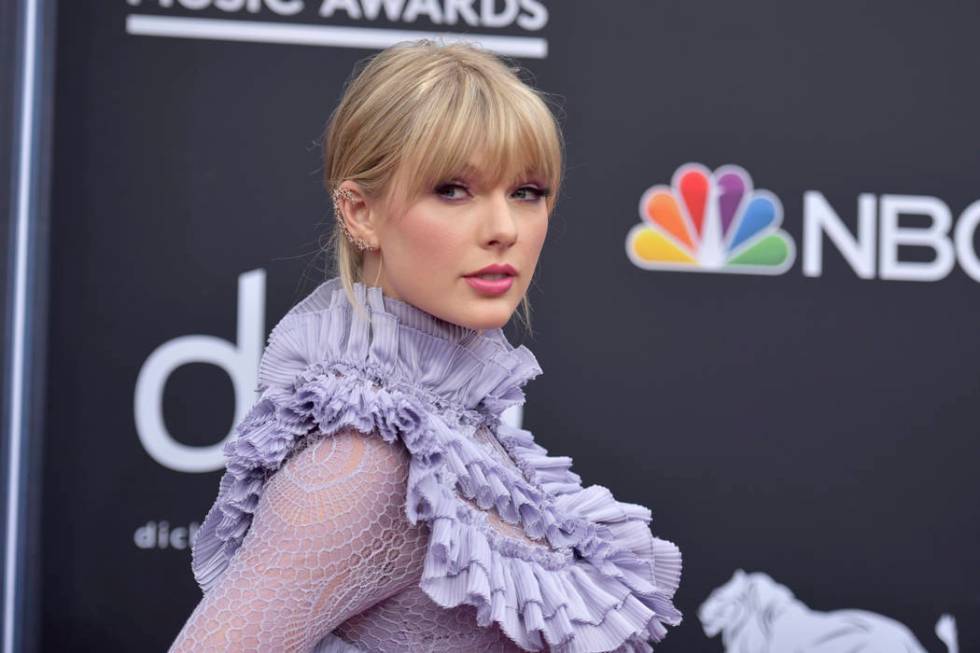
(410, 621)
(374, 500)
(330, 548)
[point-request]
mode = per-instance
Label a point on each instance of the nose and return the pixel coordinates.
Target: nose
(499, 223)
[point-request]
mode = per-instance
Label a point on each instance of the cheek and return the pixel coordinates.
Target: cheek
(425, 237)
(534, 233)
(539, 230)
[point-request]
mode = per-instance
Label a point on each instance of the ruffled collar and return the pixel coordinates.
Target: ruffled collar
(474, 375)
(599, 579)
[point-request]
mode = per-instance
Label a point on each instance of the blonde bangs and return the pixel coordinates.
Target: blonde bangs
(506, 124)
(417, 114)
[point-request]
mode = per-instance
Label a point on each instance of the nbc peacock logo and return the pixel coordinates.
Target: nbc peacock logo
(710, 222)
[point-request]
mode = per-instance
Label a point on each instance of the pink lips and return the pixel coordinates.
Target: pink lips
(493, 286)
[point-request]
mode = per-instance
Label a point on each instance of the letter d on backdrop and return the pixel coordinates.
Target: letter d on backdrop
(241, 362)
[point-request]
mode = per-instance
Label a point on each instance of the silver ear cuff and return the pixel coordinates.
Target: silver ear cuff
(345, 193)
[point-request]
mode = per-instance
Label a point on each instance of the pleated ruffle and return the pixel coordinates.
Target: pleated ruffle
(600, 581)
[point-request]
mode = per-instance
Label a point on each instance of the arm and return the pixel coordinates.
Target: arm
(328, 540)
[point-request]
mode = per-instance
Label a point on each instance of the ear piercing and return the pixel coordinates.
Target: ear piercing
(346, 193)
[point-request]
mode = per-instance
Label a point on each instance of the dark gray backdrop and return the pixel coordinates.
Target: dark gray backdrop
(819, 429)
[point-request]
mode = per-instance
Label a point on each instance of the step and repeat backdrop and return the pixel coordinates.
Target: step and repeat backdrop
(757, 311)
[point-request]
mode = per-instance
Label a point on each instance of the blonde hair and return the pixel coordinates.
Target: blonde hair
(414, 113)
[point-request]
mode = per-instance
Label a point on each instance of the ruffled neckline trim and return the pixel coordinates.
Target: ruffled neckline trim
(456, 368)
(603, 583)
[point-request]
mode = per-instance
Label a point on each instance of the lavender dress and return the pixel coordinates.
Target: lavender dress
(375, 501)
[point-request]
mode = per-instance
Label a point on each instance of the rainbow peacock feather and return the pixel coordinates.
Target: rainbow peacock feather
(710, 222)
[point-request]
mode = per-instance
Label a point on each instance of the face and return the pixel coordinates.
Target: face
(430, 249)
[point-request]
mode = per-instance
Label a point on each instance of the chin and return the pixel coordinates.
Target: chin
(487, 318)
(483, 325)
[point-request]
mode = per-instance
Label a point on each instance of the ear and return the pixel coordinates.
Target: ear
(358, 212)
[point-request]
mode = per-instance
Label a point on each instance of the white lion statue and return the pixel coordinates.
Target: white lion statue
(755, 614)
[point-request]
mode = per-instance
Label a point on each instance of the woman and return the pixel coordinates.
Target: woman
(374, 500)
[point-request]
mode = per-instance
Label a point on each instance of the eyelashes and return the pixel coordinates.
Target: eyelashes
(442, 190)
(539, 192)
(449, 191)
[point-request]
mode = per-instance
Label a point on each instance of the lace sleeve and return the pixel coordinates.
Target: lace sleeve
(329, 539)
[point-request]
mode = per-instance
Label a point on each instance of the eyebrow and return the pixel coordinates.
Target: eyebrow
(471, 170)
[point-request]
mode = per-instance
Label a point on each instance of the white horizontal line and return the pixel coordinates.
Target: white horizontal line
(326, 35)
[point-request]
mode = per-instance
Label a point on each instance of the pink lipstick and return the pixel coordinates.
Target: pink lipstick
(494, 279)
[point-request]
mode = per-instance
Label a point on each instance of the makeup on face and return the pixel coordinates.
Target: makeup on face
(465, 248)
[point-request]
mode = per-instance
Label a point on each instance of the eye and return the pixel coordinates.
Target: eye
(531, 193)
(449, 191)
